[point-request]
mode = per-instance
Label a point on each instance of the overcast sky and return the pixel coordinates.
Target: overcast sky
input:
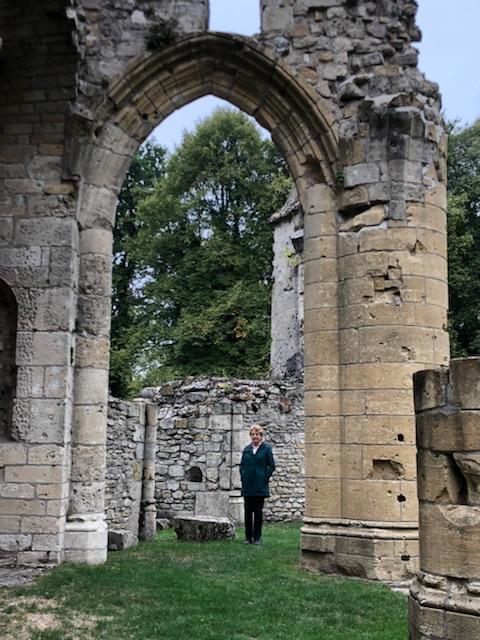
(449, 55)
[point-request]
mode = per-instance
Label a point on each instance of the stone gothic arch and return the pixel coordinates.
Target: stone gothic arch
(230, 67)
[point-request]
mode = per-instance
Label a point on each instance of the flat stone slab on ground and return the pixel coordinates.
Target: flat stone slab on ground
(203, 528)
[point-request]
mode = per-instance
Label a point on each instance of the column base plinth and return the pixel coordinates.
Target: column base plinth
(368, 550)
(444, 608)
(86, 539)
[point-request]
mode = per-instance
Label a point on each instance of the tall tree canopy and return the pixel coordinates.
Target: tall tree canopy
(201, 250)
(464, 239)
(129, 329)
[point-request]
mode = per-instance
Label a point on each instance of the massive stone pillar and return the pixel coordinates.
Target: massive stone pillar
(375, 278)
(445, 598)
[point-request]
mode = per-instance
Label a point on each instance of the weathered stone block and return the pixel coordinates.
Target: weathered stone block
(12, 453)
(57, 382)
(45, 232)
(430, 389)
(94, 315)
(438, 479)
(448, 430)
(88, 463)
(461, 625)
(91, 386)
(95, 274)
(318, 543)
(323, 497)
(90, 424)
(47, 542)
(17, 490)
(49, 454)
(39, 421)
(395, 462)
(35, 473)
(119, 539)
(449, 542)
(360, 174)
(18, 507)
(203, 529)
(376, 500)
(43, 348)
(87, 497)
(15, 542)
(372, 217)
(323, 461)
(41, 524)
(9, 524)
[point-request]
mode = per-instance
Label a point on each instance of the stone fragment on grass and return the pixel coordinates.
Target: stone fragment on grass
(203, 528)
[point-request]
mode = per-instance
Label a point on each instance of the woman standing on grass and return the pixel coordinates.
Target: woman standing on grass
(256, 468)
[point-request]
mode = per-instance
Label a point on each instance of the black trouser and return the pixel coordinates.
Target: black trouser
(253, 517)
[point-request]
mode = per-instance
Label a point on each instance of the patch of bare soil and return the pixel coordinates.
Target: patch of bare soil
(21, 617)
(17, 576)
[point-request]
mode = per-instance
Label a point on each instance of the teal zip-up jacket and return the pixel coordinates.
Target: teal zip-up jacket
(256, 470)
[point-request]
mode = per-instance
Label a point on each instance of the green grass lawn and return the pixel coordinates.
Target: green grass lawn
(213, 591)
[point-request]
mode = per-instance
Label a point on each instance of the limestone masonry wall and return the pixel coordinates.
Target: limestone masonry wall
(202, 429)
(445, 598)
(125, 456)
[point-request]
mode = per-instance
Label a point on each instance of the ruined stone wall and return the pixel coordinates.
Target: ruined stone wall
(125, 461)
(445, 598)
(202, 430)
(38, 234)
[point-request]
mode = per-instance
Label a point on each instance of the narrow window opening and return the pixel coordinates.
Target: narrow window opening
(8, 373)
(195, 474)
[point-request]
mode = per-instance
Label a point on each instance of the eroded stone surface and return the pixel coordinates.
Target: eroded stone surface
(445, 598)
(203, 528)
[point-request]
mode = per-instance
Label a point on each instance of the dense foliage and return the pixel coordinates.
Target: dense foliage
(129, 329)
(464, 239)
(199, 254)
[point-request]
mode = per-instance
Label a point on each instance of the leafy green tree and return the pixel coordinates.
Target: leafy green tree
(129, 329)
(464, 239)
(205, 250)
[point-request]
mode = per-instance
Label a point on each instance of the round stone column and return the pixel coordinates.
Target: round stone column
(444, 601)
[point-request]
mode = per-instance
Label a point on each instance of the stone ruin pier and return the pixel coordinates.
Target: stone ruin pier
(445, 598)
